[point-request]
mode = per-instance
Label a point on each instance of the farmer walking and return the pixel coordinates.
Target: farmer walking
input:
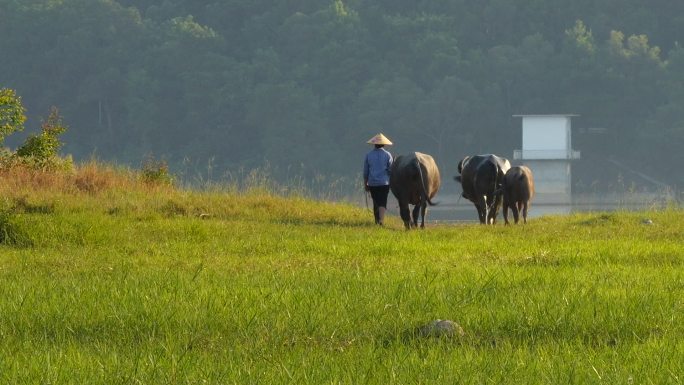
(376, 175)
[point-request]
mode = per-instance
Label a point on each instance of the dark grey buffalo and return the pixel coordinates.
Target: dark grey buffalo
(414, 179)
(481, 178)
(518, 191)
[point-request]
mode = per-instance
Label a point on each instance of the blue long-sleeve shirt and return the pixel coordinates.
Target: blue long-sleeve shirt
(376, 167)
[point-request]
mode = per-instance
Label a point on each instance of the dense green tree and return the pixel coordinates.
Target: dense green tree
(290, 134)
(445, 118)
(242, 82)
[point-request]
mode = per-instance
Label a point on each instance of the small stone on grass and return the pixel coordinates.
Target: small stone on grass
(440, 328)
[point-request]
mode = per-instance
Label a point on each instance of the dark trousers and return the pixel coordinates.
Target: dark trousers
(379, 195)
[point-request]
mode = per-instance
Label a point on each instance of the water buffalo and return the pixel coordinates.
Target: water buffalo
(414, 179)
(481, 178)
(518, 190)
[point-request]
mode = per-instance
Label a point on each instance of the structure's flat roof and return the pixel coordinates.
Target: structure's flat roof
(545, 115)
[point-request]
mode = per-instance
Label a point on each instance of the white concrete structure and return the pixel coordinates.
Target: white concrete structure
(547, 150)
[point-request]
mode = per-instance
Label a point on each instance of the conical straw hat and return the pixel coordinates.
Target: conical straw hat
(379, 139)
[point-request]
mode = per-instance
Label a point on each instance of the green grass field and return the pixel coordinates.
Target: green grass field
(106, 280)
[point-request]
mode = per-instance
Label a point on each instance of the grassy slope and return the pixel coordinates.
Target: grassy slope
(106, 280)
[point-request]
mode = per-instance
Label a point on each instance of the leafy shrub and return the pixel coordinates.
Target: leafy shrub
(156, 172)
(41, 151)
(12, 116)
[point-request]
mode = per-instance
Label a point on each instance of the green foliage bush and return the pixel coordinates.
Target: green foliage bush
(156, 172)
(42, 151)
(12, 116)
(38, 152)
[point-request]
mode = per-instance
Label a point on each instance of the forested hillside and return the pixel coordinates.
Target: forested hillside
(303, 83)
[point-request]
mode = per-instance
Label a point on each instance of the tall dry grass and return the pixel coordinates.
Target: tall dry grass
(90, 178)
(124, 191)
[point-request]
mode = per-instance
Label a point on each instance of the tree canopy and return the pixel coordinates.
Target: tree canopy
(305, 83)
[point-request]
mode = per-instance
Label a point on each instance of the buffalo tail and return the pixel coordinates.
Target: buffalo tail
(422, 184)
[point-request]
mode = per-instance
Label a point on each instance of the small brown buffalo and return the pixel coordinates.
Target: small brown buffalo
(518, 191)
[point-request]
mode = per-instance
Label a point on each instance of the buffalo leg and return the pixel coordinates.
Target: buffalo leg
(494, 209)
(516, 212)
(416, 213)
(405, 215)
(488, 211)
(423, 211)
(505, 212)
(481, 206)
(481, 214)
